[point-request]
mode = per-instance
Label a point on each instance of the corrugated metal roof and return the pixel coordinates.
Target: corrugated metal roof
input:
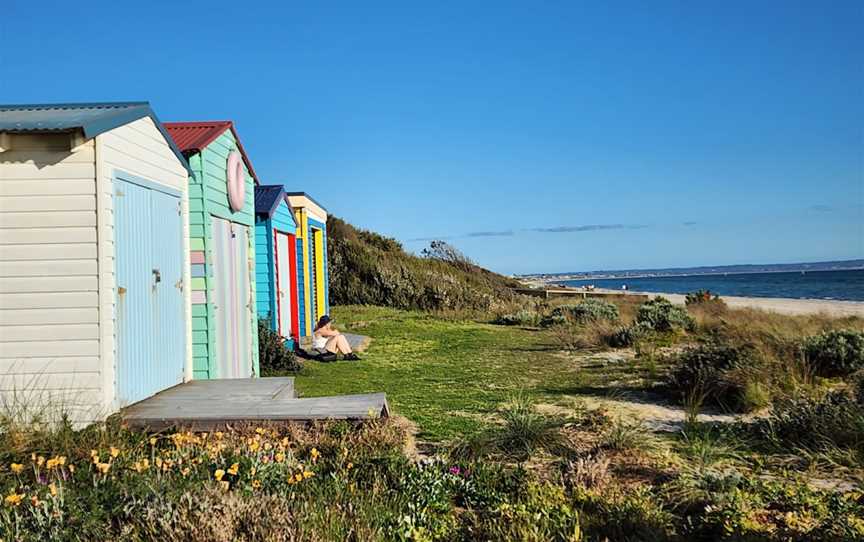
(267, 198)
(193, 137)
(92, 118)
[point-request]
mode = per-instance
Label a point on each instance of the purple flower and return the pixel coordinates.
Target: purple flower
(455, 470)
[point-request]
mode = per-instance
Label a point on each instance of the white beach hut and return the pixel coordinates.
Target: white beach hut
(94, 312)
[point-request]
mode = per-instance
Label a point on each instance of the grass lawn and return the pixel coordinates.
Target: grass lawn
(450, 376)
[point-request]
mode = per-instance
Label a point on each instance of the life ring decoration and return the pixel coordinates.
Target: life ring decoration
(236, 181)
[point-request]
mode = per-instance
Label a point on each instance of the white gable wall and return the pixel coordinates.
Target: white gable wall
(137, 148)
(49, 300)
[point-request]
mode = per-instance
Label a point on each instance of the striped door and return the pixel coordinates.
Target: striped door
(149, 264)
(232, 305)
(313, 280)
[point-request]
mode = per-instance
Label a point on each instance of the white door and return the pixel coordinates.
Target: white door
(283, 270)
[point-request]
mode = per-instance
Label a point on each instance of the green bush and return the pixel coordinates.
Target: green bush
(659, 314)
(590, 310)
(521, 318)
(836, 419)
(552, 320)
(705, 370)
(858, 387)
(626, 336)
(836, 353)
(274, 355)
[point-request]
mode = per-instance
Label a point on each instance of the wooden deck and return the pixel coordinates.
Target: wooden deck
(203, 405)
(547, 293)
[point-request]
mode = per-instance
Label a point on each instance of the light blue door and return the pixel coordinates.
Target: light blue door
(148, 236)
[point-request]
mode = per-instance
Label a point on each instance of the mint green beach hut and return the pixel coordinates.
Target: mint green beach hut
(222, 251)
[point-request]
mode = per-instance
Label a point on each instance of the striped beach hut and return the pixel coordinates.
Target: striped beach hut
(222, 253)
(93, 259)
(313, 277)
(276, 262)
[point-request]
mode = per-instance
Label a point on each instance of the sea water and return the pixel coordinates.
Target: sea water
(846, 285)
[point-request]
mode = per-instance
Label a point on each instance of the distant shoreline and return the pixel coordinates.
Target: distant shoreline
(557, 279)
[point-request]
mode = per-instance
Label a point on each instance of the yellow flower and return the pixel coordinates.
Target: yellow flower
(350, 466)
(94, 453)
(254, 445)
(40, 461)
(13, 499)
(51, 463)
(34, 500)
(314, 453)
(61, 460)
(219, 434)
(252, 471)
(219, 474)
(184, 471)
(114, 451)
(285, 442)
(152, 441)
(53, 489)
(103, 467)
(308, 474)
(280, 457)
(267, 446)
(225, 486)
(17, 468)
(71, 468)
(234, 469)
(259, 430)
(298, 477)
(158, 462)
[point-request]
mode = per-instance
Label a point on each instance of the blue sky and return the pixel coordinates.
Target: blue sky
(535, 136)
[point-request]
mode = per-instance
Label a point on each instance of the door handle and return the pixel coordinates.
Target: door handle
(157, 276)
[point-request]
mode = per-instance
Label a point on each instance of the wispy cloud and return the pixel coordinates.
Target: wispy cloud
(507, 233)
(589, 227)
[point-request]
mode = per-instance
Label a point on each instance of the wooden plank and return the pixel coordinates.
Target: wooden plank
(74, 364)
(71, 300)
(48, 268)
(41, 236)
(47, 348)
(21, 285)
(26, 317)
(54, 332)
(77, 251)
(48, 187)
(46, 219)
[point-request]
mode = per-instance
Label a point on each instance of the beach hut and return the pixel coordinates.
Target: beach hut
(93, 259)
(313, 278)
(222, 254)
(276, 261)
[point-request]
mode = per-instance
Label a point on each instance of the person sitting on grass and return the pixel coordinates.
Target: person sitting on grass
(327, 340)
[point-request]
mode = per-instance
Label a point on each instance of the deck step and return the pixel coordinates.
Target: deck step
(203, 405)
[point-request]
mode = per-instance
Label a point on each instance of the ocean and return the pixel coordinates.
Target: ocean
(845, 285)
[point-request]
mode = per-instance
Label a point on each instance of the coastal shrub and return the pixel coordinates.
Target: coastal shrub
(702, 297)
(707, 370)
(626, 336)
(590, 310)
(834, 420)
(836, 353)
(858, 387)
(521, 318)
(591, 335)
(274, 355)
(660, 314)
(553, 320)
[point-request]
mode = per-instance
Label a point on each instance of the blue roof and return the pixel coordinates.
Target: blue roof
(268, 197)
(92, 118)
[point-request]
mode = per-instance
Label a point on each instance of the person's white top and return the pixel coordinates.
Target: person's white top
(319, 342)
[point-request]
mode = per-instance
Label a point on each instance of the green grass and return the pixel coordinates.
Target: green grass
(450, 376)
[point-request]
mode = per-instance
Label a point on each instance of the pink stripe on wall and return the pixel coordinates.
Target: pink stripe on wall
(199, 297)
(196, 257)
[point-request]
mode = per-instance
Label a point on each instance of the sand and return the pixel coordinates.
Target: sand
(777, 304)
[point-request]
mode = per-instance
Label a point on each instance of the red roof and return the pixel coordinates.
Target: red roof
(192, 137)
